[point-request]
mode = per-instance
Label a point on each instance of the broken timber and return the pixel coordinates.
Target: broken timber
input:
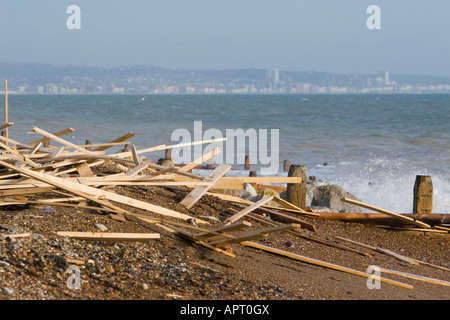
(191, 199)
(389, 213)
(110, 236)
(96, 194)
(322, 263)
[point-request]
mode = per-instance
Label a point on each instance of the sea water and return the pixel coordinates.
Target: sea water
(374, 146)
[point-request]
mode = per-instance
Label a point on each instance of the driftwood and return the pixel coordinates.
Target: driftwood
(389, 213)
(383, 219)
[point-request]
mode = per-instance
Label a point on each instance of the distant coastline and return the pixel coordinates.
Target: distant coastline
(36, 78)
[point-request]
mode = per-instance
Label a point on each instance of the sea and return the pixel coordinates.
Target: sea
(373, 146)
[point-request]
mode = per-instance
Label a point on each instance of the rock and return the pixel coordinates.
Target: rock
(109, 268)
(250, 190)
(61, 263)
(328, 195)
(289, 244)
(192, 221)
(8, 291)
(49, 209)
(267, 192)
(101, 227)
(166, 162)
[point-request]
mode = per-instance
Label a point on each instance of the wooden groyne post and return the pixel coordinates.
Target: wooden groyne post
(6, 109)
(296, 192)
(423, 195)
(286, 165)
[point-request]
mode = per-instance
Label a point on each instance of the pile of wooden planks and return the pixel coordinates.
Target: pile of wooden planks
(53, 165)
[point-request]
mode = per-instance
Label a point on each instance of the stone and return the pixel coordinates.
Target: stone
(250, 190)
(267, 192)
(166, 162)
(330, 195)
(101, 227)
(8, 291)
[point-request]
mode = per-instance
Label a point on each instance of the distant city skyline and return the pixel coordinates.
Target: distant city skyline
(321, 35)
(29, 78)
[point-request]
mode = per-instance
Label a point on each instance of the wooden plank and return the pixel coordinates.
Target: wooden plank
(16, 235)
(200, 160)
(84, 170)
(247, 210)
(255, 234)
(120, 139)
(382, 250)
(289, 205)
(6, 125)
(36, 148)
(389, 213)
(416, 277)
(135, 156)
(62, 141)
(137, 169)
(24, 191)
(322, 263)
(237, 183)
(96, 194)
(190, 237)
(227, 228)
(220, 184)
(109, 236)
(17, 156)
(191, 199)
(46, 140)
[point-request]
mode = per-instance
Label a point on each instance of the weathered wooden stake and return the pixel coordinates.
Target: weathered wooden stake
(6, 109)
(423, 195)
(168, 154)
(286, 165)
(296, 192)
(247, 162)
(87, 143)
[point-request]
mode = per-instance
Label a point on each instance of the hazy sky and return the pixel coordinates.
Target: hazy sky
(312, 35)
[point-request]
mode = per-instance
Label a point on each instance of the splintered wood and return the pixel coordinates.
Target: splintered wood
(67, 172)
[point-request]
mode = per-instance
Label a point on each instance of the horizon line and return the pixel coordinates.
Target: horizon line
(216, 69)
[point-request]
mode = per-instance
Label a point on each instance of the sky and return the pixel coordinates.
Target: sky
(313, 35)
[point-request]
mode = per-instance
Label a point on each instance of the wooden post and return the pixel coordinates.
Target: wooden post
(168, 154)
(6, 109)
(423, 195)
(247, 162)
(252, 174)
(87, 143)
(296, 192)
(286, 165)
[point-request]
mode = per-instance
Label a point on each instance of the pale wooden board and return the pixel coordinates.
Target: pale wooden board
(389, 213)
(97, 195)
(109, 236)
(247, 210)
(255, 234)
(191, 199)
(200, 160)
